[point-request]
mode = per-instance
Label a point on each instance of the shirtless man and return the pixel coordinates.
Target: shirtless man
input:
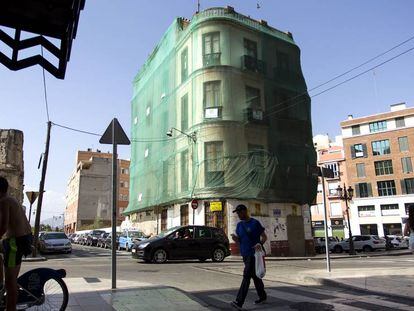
(17, 241)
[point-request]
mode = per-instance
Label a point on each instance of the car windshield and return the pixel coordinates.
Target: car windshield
(167, 232)
(55, 236)
(136, 234)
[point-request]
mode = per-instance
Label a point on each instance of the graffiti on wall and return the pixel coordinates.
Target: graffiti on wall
(279, 228)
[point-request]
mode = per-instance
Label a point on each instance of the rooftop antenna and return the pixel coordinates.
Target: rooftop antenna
(198, 6)
(258, 5)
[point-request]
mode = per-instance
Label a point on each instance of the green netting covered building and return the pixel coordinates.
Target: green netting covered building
(229, 92)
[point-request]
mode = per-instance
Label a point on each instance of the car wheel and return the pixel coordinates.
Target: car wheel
(160, 256)
(367, 249)
(218, 255)
(338, 249)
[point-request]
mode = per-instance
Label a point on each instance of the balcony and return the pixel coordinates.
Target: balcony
(212, 59)
(213, 112)
(255, 115)
(253, 64)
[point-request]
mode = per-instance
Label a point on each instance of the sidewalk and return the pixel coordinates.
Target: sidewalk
(385, 281)
(93, 294)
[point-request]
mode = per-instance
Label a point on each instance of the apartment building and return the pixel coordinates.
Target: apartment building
(229, 90)
(379, 150)
(89, 194)
(333, 157)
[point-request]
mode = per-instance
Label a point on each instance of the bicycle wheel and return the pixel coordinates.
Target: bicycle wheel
(56, 296)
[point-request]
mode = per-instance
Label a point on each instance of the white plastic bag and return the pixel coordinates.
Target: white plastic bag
(260, 264)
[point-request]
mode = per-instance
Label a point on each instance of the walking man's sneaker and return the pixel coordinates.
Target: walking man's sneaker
(260, 300)
(236, 305)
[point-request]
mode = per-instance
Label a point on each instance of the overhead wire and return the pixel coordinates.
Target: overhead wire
(45, 88)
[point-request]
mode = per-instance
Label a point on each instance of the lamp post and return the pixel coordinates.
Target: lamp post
(346, 195)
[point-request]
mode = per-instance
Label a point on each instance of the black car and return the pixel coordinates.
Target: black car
(188, 242)
(92, 237)
(101, 239)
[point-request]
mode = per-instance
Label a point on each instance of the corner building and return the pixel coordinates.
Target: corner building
(379, 152)
(235, 86)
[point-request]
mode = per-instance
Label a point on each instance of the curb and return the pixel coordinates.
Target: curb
(333, 283)
(269, 258)
(33, 259)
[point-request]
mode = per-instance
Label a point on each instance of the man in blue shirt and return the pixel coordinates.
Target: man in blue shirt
(251, 235)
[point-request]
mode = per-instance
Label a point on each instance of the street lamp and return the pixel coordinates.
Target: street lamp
(191, 136)
(346, 195)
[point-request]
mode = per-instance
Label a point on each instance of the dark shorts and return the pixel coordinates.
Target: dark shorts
(15, 248)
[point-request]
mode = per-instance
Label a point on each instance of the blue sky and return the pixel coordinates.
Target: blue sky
(115, 38)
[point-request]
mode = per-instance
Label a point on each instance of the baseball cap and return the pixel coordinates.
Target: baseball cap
(240, 208)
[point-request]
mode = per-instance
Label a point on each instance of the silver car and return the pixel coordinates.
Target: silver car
(365, 243)
(54, 242)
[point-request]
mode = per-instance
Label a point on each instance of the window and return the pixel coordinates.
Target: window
(403, 143)
(386, 188)
(184, 215)
(363, 190)
(381, 147)
(250, 48)
(383, 167)
(336, 209)
(334, 167)
(407, 185)
(407, 206)
(399, 122)
(358, 151)
(164, 217)
(377, 126)
(252, 97)
(332, 188)
(184, 170)
(125, 171)
(184, 112)
(390, 210)
(407, 166)
(282, 61)
(366, 211)
(123, 184)
(317, 209)
(212, 94)
(211, 49)
(360, 167)
(184, 65)
(214, 164)
(356, 130)
(203, 233)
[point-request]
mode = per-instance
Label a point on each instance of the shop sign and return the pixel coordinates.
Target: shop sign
(216, 206)
(318, 223)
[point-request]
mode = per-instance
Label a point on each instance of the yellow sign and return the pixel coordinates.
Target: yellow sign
(216, 207)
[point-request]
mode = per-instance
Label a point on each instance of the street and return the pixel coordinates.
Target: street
(216, 284)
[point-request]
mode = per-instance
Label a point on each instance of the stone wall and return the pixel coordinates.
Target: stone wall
(11, 161)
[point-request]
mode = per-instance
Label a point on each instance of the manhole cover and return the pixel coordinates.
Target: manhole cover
(311, 306)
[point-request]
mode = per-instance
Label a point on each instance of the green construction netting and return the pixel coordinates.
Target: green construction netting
(250, 116)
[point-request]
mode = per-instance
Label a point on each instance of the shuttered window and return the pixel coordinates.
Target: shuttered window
(403, 143)
(407, 166)
(360, 169)
(363, 190)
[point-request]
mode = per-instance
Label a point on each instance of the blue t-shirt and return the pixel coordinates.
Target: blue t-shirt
(249, 235)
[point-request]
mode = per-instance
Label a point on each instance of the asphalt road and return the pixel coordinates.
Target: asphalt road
(216, 288)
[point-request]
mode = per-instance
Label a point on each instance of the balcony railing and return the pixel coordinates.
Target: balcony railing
(212, 59)
(253, 64)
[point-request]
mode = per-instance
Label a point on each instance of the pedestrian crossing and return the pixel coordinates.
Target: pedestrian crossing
(307, 299)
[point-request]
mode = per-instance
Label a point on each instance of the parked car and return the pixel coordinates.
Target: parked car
(92, 237)
(397, 242)
(108, 240)
(72, 237)
(320, 244)
(101, 239)
(76, 238)
(127, 239)
(54, 242)
(82, 239)
(365, 243)
(188, 242)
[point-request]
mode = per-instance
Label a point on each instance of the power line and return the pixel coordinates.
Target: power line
(44, 87)
(75, 130)
(345, 73)
(343, 82)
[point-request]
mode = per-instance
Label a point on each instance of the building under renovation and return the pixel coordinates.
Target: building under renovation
(229, 92)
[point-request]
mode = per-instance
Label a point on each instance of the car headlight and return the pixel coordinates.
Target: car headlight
(142, 246)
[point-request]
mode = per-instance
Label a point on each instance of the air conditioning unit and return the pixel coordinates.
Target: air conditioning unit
(257, 114)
